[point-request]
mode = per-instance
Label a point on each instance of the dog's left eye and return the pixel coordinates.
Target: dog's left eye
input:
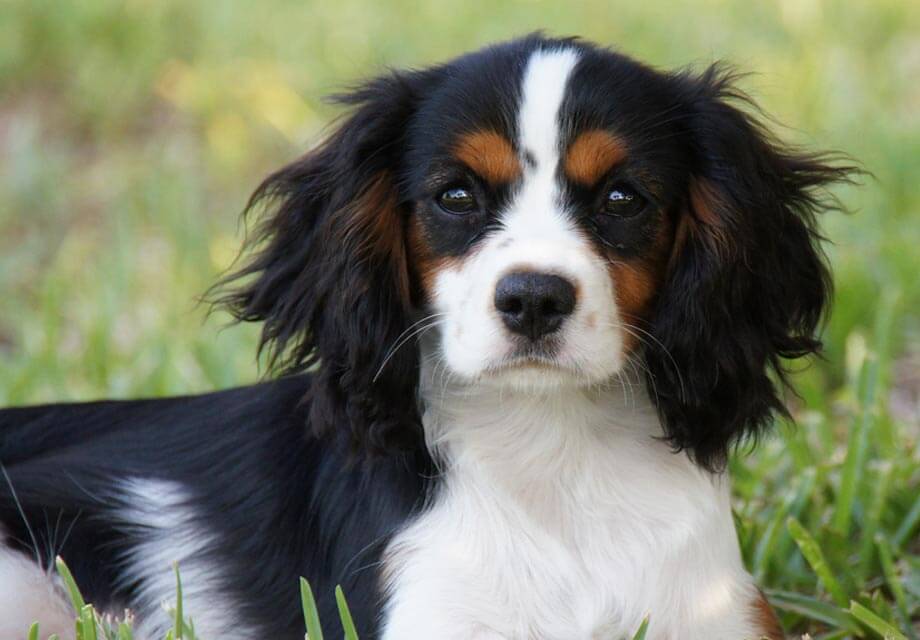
(623, 201)
(457, 200)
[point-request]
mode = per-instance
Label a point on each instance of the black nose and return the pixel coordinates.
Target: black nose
(534, 304)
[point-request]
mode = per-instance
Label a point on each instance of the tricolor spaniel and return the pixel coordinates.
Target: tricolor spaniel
(524, 302)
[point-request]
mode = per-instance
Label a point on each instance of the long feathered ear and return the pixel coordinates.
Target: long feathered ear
(328, 274)
(748, 284)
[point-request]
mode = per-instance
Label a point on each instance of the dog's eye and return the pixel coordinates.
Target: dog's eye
(457, 200)
(624, 202)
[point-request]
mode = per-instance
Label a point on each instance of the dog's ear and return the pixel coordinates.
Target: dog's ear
(328, 274)
(747, 284)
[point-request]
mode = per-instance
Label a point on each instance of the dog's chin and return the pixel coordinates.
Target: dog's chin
(540, 375)
(532, 377)
(539, 368)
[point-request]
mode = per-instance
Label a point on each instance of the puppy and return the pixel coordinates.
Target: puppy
(522, 305)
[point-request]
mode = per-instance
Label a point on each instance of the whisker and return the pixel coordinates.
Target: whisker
(68, 532)
(629, 328)
(403, 339)
(22, 513)
(412, 326)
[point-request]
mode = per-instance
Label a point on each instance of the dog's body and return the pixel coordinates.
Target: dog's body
(591, 526)
(543, 288)
(122, 490)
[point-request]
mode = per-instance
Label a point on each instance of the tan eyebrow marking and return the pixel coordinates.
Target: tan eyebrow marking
(591, 155)
(490, 155)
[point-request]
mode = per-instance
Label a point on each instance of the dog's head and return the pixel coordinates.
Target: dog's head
(550, 211)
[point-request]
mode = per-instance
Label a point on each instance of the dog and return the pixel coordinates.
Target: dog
(521, 307)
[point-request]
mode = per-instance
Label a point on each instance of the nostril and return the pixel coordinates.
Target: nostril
(560, 304)
(509, 304)
(549, 307)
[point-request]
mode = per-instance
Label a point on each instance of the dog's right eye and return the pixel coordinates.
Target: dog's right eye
(457, 200)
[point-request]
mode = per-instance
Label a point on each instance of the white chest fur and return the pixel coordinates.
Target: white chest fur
(560, 516)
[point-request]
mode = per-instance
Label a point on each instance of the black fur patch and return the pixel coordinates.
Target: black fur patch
(275, 503)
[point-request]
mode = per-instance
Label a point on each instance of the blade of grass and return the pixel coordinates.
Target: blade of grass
(814, 609)
(348, 624)
(874, 622)
(33, 631)
(785, 553)
(907, 526)
(642, 630)
(76, 598)
(178, 621)
(815, 557)
(310, 614)
(886, 559)
(854, 465)
(858, 450)
(768, 541)
(87, 623)
(871, 521)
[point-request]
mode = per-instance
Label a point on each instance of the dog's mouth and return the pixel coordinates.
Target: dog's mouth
(531, 372)
(540, 356)
(532, 364)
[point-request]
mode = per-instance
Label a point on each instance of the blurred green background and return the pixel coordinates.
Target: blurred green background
(132, 132)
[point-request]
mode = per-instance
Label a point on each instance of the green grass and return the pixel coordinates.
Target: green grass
(132, 132)
(89, 625)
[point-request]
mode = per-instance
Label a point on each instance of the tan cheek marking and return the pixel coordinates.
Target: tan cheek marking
(593, 154)
(767, 623)
(490, 155)
(636, 282)
(634, 288)
(425, 264)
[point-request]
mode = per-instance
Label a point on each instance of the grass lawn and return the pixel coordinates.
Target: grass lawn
(132, 132)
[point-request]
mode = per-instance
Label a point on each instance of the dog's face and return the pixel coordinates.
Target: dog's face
(542, 213)
(542, 217)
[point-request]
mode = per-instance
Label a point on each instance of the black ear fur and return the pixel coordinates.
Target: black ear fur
(748, 285)
(328, 276)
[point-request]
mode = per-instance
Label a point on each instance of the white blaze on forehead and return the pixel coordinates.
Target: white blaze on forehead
(535, 210)
(542, 92)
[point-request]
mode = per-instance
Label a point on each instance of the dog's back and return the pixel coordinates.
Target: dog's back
(224, 482)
